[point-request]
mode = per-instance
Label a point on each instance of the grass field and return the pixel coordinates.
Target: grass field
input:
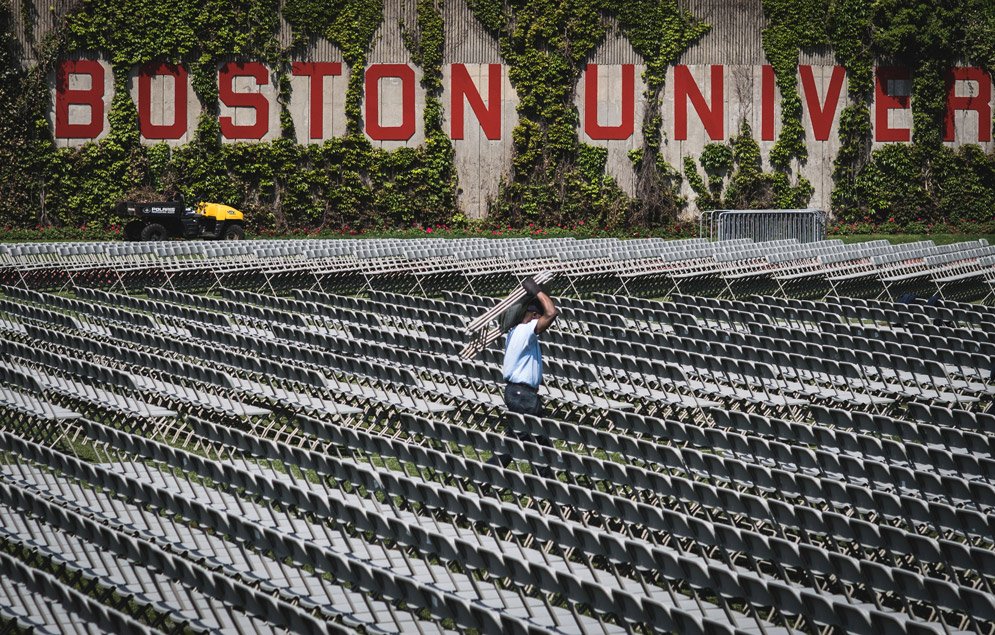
(939, 239)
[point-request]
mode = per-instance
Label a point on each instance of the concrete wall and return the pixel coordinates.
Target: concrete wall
(169, 103)
(391, 121)
(81, 100)
(729, 60)
(616, 111)
(482, 156)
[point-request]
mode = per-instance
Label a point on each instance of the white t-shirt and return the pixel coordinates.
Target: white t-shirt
(522, 360)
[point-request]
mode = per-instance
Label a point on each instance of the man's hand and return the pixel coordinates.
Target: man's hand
(549, 310)
(530, 286)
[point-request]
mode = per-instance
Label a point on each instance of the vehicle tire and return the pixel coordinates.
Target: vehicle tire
(133, 230)
(154, 231)
(233, 232)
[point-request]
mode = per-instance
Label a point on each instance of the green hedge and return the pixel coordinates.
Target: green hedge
(953, 231)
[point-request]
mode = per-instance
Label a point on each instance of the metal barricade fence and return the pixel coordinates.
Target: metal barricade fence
(760, 225)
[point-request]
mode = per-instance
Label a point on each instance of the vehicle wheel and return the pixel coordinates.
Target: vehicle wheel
(154, 231)
(233, 232)
(133, 230)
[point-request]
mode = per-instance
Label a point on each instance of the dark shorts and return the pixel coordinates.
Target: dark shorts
(523, 399)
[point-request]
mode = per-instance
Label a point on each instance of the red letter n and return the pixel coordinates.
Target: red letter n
(591, 126)
(229, 97)
(980, 103)
(489, 116)
(685, 88)
(317, 71)
(92, 97)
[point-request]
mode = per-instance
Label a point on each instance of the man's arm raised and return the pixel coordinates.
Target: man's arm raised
(549, 310)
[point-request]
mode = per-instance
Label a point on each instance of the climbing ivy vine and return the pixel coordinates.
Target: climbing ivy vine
(546, 43)
(793, 24)
(736, 179)
(344, 181)
(659, 32)
(902, 182)
(432, 176)
(849, 28)
(925, 180)
(24, 129)
(555, 178)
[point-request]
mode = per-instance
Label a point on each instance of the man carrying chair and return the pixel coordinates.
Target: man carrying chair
(523, 363)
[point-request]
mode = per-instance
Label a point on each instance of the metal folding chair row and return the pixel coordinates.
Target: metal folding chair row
(777, 484)
(522, 485)
(437, 588)
(152, 379)
(964, 371)
(618, 510)
(670, 521)
(36, 601)
(329, 313)
(644, 266)
(780, 371)
(399, 313)
(144, 589)
(277, 612)
(859, 309)
(294, 584)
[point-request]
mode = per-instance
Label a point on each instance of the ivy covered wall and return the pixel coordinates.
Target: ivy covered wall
(922, 181)
(553, 177)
